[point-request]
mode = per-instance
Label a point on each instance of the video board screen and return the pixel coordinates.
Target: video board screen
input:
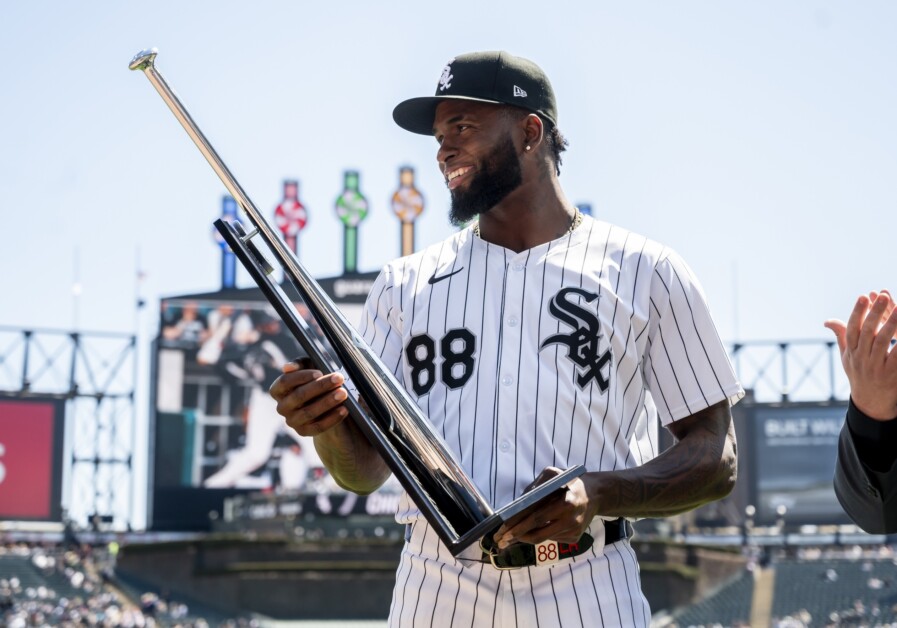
(216, 425)
(795, 451)
(216, 429)
(31, 438)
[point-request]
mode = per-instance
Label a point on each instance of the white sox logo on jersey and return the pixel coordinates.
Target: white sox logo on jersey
(583, 343)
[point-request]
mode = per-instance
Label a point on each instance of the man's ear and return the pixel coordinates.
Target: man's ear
(533, 132)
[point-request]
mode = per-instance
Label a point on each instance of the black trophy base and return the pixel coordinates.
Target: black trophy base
(492, 523)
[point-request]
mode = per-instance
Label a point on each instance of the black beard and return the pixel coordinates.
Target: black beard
(499, 176)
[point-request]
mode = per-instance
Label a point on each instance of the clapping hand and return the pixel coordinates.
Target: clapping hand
(867, 354)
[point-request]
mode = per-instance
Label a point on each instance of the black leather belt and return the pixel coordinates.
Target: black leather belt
(526, 555)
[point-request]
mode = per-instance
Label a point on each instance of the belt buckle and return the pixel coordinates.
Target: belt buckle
(492, 552)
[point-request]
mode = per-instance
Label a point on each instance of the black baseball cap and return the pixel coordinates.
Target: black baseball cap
(493, 77)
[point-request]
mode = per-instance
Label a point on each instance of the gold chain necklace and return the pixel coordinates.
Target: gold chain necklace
(577, 220)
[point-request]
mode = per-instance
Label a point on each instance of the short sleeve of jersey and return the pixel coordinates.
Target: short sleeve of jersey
(381, 322)
(686, 366)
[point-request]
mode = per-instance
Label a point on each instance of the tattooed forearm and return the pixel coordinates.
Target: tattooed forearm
(700, 468)
(352, 461)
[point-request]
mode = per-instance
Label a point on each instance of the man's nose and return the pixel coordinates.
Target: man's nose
(444, 154)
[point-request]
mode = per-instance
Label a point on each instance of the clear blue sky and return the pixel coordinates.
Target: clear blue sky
(758, 139)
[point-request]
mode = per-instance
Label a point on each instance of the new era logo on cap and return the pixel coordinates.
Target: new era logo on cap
(519, 93)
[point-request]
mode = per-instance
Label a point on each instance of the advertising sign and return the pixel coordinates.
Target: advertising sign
(795, 453)
(31, 435)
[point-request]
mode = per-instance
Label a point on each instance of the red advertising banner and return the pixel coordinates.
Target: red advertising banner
(27, 464)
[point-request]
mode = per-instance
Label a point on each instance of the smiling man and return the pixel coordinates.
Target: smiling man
(535, 340)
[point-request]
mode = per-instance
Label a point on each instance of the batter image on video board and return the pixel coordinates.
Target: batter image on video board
(216, 424)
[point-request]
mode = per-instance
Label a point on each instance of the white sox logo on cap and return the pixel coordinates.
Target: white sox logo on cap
(445, 81)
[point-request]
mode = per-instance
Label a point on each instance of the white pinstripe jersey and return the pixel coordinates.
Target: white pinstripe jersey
(564, 354)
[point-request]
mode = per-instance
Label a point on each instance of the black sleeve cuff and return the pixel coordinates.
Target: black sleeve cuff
(870, 436)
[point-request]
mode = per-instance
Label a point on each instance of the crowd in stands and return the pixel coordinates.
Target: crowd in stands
(832, 586)
(828, 586)
(46, 584)
(53, 584)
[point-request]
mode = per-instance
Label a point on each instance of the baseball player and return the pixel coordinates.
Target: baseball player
(534, 340)
(256, 363)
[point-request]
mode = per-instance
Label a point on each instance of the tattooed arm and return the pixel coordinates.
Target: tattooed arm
(700, 468)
